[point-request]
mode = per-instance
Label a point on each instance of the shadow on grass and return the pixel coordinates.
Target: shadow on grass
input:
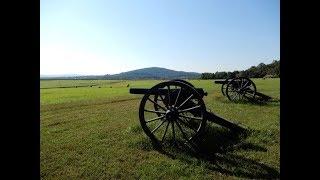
(215, 153)
(273, 103)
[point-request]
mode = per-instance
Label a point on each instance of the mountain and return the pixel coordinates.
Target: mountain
(154, 73)
(58, 75)
(145, 73)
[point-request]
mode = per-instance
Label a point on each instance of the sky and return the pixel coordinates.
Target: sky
(96, 37)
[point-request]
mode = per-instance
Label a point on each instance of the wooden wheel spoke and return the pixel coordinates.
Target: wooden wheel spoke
(190, 117)
(246, 84)
(235, 96)
(232, 93)
(154, 130)
(187, 125)
(169, 99)
(241, 83)
(165, 132)
(250, 92)
(160, 112)
(163, 101)
(183, 133)
(185, 101)
(154, 119)
(188, 109)
(156, 104)
(177, 97)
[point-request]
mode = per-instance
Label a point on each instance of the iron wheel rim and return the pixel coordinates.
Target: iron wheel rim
(173, 120)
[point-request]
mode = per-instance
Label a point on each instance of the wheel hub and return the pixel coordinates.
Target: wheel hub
(172, 114)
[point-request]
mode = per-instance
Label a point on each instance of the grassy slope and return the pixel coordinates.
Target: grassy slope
(92, 132)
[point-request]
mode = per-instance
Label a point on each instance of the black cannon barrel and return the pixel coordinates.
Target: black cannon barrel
(161, 91)
(219, 81)
(223, 81)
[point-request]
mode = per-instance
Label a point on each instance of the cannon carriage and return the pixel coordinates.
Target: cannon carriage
(241, 89)
(174, 111)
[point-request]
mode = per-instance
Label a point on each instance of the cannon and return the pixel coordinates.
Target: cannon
(176, 105)
(241, 89)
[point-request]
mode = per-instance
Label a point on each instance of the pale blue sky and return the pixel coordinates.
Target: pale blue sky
(112, 36)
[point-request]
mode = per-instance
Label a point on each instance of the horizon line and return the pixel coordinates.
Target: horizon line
(86, 74)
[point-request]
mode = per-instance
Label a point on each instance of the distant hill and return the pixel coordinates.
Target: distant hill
(59, 75)
(154, 73)
(145, 73)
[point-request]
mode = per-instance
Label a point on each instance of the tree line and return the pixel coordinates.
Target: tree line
(261, 71)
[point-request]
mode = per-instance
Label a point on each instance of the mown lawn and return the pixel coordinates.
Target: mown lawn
(94, 133)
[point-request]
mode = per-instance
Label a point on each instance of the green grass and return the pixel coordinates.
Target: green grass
(94, 133)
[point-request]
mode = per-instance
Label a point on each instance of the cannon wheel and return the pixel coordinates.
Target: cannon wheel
(241, 88)
(224, 86)
(183, 81)
(183, 109)
(157, 99)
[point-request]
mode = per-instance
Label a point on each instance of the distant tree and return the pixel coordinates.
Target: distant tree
(261, 65)
(207, 75)
(236, 73)
(232, 74)
(221, 75)
(242, 74)
(260, 71)
(212, 76)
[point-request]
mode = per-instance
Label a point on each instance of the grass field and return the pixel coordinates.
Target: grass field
(91, 130)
